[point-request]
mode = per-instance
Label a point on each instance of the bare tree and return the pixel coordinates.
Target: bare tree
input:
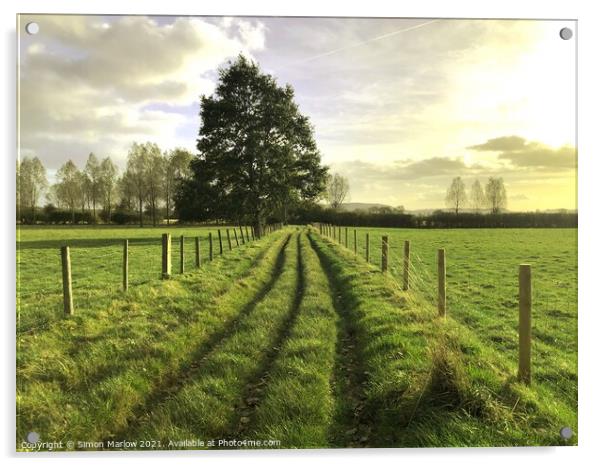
(495, 193)
(108, 182)
(31, 183)
(177, 169)
(456, 195)
(477, 196)
(337, 188)
(69, 189)
(93, 183)
(136, 175)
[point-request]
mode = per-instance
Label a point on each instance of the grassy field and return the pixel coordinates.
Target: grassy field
(293, 341)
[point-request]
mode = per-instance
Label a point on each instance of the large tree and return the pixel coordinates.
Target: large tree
(456, 195)
(31, 182)
(256, 150)
(495, 194)
(337, 188)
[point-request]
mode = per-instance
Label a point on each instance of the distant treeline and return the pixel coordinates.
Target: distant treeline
(438, 219)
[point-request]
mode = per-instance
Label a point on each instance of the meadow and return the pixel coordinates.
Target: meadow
(294, 339)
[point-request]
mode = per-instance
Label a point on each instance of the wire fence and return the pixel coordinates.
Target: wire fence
(488, 307)
(98, 271)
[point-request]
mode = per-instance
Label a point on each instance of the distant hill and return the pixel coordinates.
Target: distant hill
(351, 206)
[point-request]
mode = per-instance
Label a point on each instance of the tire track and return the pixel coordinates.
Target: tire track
(255, 387)
(352, 424)
(180, 378)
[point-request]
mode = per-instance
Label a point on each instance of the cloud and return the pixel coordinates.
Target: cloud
(504, 143)
(91, 81)
(530, 154)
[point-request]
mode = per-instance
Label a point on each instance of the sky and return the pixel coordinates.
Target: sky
(399, 106)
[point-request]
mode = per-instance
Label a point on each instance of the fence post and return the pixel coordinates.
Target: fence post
(340, 235)
(229, 240)
(367, 247)
(181, 253)
(67, 290)
(236, 237)
(210, 247)
(221, 247)
(441, 273)
(385, 254)
(253, 233)
(125, 264)
(346, 237)
(524, 323)
(166, 257)
(406, 265)
(355, 241)
(242, 235)
(247, 230)
(197, 251)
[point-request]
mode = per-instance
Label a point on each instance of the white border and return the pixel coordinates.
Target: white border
(590, 151)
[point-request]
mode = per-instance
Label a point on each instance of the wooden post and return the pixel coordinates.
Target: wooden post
(346, 237)
(406, 265)
(181, 253)
(166, 257)
(355, 241)
(229, 240)
(197, 251)
(367, 247)
(242, 236)
(253, 233)
(247, 230)
(385, 254)
(210, 247)
(67, 290)
(441, 273)
(236, 237)
(339, 235)
(524, 323)
(125, 264)
(221, 247)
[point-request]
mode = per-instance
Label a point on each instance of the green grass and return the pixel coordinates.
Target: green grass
(295, 339)
(96, 262)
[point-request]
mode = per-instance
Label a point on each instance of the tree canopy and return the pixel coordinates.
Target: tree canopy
(257, 153)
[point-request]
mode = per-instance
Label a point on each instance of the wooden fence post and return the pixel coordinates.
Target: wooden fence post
(346, 237)
(253, 233)
(242, 235)
(524, 323)
(210, 247)
(67, 289)
(339, 235)
(367, 247)
(406, 265)
(166, 256)
(229, 240)
(247, 230)
(197, 251)
(221, 247)
(441, 274)
(236, 237)
(181, 253)
(125, 264)
(355, 241)
(385, 254)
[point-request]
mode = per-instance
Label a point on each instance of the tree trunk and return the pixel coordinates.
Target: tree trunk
(167, 207)
(140, 210)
